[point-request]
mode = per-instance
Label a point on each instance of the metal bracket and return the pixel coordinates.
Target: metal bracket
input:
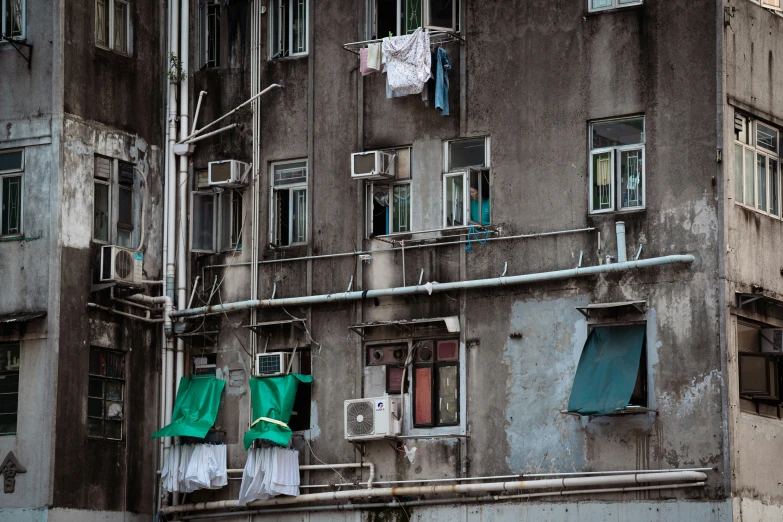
(15, 43)
(360, 447)
(743, 300)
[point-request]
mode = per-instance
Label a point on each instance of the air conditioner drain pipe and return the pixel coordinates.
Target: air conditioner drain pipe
(633, 479)
(430, 288)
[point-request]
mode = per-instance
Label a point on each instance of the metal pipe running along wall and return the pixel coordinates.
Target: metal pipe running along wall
(560, 483)
(430, 288)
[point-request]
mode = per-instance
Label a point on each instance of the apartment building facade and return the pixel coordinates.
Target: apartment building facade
(625, 158)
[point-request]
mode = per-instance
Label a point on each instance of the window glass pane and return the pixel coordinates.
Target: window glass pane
(402, 208)
(203, 36)
(766, 137)
(101, 23)
(113, 410)
(11, 216)
(299, 217)
(467, 153)
(101, 212)
(761, 164)
(115, 365)
(210, 49)
(281, 210)
(290, 173)
(8, 424)
(753, 375)
(95, 408)
(114, 390)
(448, 399)
(204, 222)
(750, 189)
(404, 163)
(774, 187)
(299, 27)
(380, 210)
(599, 4)
(441, 13)
(748, 339)
(95, 388)
(9, 382)
(237, 220)
(114, 430)
(448, 351)
(120, 26)
(102, 168)
(10, 161)
(9, 357)
(423, 399)
(274, 23)
(411, 15)
(8, 402)
(602, 181)
(94, 427)
(125, 210)
(124, 238)
(479, 197)
(455, 201)
(617, 133)
(738, 181)
(631, 172)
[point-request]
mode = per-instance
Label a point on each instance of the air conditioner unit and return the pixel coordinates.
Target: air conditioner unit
(272, 363)
(121, 264)
(372, 419)
(772, 340)
(373, 165)
(227, 173)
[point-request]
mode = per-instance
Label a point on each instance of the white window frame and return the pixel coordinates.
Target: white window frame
(616, 4)
(204, 194)
(371, 19)
(110, 37)
(775, 5)
(273, 202)
(227, 244)
(751, 129)
(465, 198)
(3, 20)
(14, 173)
(616, 173)
(204, 35)
(465, 173)
(287, 23)
(369, 188)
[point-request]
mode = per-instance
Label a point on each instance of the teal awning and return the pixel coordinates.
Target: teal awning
(195, 408)
(272, 399)
(607, 371)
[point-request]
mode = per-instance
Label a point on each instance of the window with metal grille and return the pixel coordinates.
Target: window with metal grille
(11, 185)
(289, 25)
(9, 387)
(106, 394)
(209, 34)
(289, 203)
(617, 172)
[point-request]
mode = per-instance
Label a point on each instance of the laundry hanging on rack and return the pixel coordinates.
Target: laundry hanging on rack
(269, 471)
(190, 467)
(441, 66)
(408, 62)
(374, 56)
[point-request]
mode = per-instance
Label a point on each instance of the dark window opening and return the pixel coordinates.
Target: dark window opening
(106, 394)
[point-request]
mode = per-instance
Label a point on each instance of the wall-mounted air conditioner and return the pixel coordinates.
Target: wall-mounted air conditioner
(121, 264)
(372, 419)
(227, 173)
(772, 340)
(272, 363)
(375, 164)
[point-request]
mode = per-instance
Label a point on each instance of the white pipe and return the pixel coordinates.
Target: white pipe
(433, 287)
(167, 308)
(434, 502)
(136, 305)
(622, 255)
(198, 110)
(617, 480)
(153, 282)
(146, 319)
(207, 135)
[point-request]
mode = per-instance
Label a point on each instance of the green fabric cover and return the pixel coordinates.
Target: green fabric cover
(273, 397)
(606, 375)
(195, 408)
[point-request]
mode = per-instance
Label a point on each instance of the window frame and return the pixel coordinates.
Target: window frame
(123, 381)
(276, 41)
(108, 182)
(465, 172)
(215, 213)
(772, 181)
(616, 4)
(435, 366)
(129, 227)
(3, 20)
(774, 361)
(227, 242)
(205, 13)
(13, 173)
(369, 203)
(293, 187)
(616, 174)
(110, 44)
(4, 346)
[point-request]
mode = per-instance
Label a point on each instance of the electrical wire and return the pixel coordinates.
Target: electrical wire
(307, 330)
(321, 461)
(233, 329)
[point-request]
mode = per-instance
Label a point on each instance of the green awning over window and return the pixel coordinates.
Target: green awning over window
(272, 399)
(195, 408)
(607, 371)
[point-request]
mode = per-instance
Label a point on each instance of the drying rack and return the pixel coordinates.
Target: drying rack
(436, 38)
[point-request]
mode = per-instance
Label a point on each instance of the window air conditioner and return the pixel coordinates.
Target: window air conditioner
(121, 264)
(271, 364)
(772, 340)
(372, 419)
(373, 165)
(227, 173)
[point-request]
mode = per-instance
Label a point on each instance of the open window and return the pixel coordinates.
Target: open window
(289, 203)
(232, 219)
(467, 187)
(611, 377)
(114, 202)
(288, 27)
(14, 18)
(106, 394)
(400, 17)
(388, 202)
(209, 34)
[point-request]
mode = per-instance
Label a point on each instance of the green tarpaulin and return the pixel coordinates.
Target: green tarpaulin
(606, 375)
(195, 409)
(273, 399)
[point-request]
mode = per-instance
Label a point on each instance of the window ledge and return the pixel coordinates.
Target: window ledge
(590, 14)
(609, 213)
(629, 410)
(288, 58)
(757, 211)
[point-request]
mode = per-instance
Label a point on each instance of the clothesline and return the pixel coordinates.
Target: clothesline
(436, 38)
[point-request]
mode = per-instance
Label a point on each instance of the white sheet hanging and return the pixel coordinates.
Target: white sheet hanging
(408, 62)
(269, 472)
(195, 466)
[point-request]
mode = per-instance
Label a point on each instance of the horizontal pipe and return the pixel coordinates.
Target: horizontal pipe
(395, 504)
(397, 249)
(207, 135)
(615, 480)
(168, 307)
(136, 305)
(430, 288)
(124, 314)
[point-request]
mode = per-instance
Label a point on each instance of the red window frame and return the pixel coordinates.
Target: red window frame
(426, 381)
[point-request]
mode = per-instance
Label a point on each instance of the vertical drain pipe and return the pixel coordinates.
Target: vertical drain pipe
(622, 255)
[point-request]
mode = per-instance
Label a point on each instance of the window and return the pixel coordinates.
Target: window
(617, 174)
(289, 203)
(14, 18)
(232, 219)
(11, 170)
(398, 17)
(113, 219)
(289, 27)
(217, 219)
(759, 369)
(112, 25)
(101, 210)
(392, 357)
(9, 387)
(125, 205)
(105, 394)
(388, 203)
(756, 165)
(603, 5)
(770, 4)
(436, 383)
(209, 34)
(467, 188)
